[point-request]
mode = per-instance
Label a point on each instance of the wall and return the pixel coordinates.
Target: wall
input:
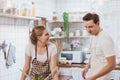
(17, 34)
(73, 5)
(45, 8)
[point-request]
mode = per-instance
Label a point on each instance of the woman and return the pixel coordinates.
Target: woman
(40, 56)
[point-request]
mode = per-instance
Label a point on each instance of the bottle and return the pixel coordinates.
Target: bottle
(33, 9)
(25, 10)
(55, 17)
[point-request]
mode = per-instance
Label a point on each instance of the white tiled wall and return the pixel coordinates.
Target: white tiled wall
(45, 8)
(110, 20)
(73, 5)
(17, 35)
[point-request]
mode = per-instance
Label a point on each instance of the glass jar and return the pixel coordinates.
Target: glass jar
(25, 10)
(55, 17)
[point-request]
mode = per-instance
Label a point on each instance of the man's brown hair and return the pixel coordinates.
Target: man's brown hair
(91, 16)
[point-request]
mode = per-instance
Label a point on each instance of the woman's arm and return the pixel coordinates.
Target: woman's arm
(54, 68)
(26, 67)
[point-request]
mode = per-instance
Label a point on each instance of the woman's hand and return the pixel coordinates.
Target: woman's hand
(54, 71)
(49, 77)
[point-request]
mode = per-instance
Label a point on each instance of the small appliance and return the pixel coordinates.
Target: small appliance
(72, 57)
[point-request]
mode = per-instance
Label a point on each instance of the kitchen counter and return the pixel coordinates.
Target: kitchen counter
(64, 77)
(80, 66)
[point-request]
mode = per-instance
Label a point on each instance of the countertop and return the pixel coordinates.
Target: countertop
(64, 77)
(80, 66)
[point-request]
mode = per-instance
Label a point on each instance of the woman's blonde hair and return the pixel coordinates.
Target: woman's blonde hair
(36, 31)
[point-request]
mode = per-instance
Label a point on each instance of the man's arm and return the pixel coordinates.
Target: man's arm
(106, 69)
(84, 72)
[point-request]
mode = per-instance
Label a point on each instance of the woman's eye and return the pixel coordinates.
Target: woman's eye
(47, 34)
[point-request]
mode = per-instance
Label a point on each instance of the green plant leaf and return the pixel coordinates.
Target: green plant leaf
(66, 24)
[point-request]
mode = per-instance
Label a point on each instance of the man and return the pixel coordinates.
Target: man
(102, 60)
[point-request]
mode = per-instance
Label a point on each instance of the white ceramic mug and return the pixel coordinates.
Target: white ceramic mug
(77, 33)
(71, 34)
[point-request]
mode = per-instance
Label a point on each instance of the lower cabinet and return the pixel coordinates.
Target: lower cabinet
(74, 73)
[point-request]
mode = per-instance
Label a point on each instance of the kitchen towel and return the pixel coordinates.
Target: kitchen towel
(11, 56)
(3, 48)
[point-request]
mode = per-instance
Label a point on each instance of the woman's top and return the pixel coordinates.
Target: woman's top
(30, 51)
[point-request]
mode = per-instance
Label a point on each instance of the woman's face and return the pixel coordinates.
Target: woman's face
(45, 37)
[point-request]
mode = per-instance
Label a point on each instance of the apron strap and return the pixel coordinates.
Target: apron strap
(47, 55)
(36, 51)
(48, 58)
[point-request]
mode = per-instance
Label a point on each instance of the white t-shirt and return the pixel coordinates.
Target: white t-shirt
(102, 46)
(30, 51)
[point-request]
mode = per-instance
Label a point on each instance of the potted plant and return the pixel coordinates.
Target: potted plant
(75, 45)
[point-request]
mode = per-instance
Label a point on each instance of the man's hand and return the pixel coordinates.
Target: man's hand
(91, 78)
(84, 72)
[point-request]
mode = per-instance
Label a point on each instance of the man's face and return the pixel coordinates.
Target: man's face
(91, 27)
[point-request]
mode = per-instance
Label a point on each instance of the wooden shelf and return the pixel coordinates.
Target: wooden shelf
(70, 37)
(72, 65)
(81, 66)
(18, 17)
(60, 21)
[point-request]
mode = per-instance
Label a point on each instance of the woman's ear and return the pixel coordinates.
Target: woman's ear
(38, 37)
